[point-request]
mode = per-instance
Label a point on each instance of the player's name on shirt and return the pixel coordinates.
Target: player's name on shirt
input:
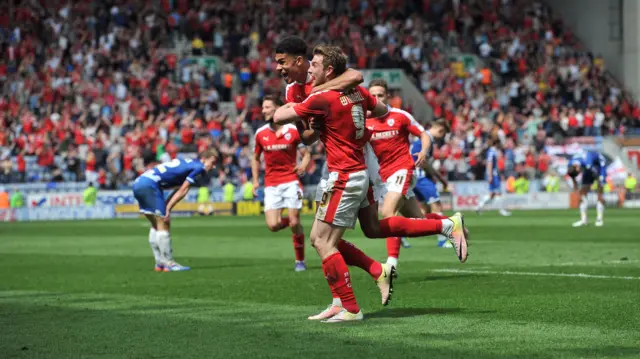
(384, 135)
(276, 147)
(351, 97)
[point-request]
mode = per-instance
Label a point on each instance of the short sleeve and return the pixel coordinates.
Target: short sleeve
(314, 105)
(257, 146)
(370, 102)
(413, 126)
(197, 171)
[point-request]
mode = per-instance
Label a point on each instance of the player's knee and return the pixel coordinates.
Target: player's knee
(294, 221)
(273, 227)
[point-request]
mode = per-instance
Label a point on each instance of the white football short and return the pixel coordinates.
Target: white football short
(343, 197)
(373, 168)
(284, 195)
(402, 181)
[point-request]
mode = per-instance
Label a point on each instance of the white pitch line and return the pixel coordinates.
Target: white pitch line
(535, 274)
(594, 263)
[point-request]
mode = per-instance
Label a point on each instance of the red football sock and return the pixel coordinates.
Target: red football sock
(409, 227)
(435, 216)
(337, 274)
(353, 256)
(298, 246)
(284, 222)
(393, 247)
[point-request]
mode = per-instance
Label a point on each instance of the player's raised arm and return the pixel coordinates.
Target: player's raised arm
(347, 80)
(286, 114)
(314, 106)
(377, 108)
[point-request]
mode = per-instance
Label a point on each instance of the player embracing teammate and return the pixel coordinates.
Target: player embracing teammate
(342, 115)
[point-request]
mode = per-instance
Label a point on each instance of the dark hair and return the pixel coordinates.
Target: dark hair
(275, 99)
(292, 45)
(332, 56)
(380, 83)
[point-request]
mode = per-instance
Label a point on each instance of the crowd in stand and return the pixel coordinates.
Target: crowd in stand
(97, 90)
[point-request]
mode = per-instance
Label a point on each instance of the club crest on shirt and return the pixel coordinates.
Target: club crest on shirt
(390, 122)
(287, 136)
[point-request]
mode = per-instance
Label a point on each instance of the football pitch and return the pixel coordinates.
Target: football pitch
(534, 287)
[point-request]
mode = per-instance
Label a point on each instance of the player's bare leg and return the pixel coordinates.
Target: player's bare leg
(297, 235)
(275, 221)
(324, 238)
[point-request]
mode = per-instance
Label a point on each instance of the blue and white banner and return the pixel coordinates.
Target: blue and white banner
(57, 213)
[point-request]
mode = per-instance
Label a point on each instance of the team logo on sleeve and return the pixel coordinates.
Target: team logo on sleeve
(390, 122)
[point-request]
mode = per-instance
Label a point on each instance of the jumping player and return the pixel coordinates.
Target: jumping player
(426, 191)
(344, 135)
(292, 64)
(280, 146)
(148, 191)
(593, 168)
(390, 143)
(493, 176)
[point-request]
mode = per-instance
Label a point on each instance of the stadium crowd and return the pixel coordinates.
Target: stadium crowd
(100, 90)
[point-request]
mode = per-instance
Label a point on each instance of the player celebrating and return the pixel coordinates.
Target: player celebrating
(495, 189)
(148, 191)
(593, 168)
(390, 143)
(290, 55)
(426, 191)
(280, 145)
(344, 135)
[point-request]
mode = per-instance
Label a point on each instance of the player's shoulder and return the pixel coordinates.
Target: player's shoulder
(401, 113)
(263, 128)
(321, 95)
(290, 128)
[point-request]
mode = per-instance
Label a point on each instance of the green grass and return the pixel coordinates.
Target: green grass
(86, 290)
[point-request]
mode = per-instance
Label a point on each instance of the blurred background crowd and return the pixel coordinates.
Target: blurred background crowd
(101, 90)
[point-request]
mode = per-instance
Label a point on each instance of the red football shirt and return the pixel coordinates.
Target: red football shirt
(280, 153)
(298, 92)
(390, 140)
(345, 133)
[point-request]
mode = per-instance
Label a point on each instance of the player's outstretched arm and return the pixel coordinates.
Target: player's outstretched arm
(348, 80)
(285, 114)
(379, 110)
(177, 196)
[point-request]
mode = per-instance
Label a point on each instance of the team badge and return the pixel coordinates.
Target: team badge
(287, 136)
(390, 122)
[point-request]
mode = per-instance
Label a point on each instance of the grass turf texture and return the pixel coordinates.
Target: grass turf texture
(87, 290)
